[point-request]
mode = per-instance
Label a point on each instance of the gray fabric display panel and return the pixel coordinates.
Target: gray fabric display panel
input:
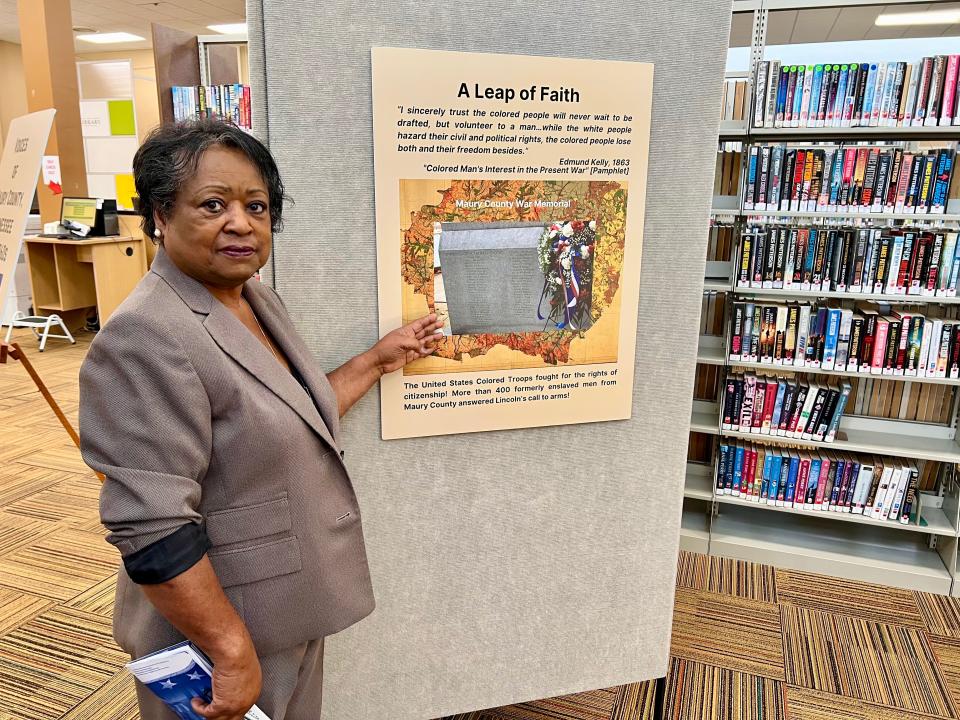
(508, 566)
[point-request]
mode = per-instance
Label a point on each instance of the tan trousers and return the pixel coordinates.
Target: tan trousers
(292, 686)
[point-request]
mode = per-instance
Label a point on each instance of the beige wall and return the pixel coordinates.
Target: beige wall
(13, 99)
(144, 85)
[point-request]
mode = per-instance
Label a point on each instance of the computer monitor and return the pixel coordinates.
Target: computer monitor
(81, 210)
(99, 214)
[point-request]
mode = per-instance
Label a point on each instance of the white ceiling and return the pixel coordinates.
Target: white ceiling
(836, 24)
(134, 16)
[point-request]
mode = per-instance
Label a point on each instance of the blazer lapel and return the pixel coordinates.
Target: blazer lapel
(236, 340)
(285, 335)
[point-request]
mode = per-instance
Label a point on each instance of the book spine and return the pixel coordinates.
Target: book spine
(802, 335)
(853, 74)
(949, 105)
(856, 341)
(869, 179)
(897, 94)
(925, 334)
(748, 200)
(926, 184)
(893, 344)
(933, 267)
(910, 500)
(903, 183)
(943, 355)
(773, 89)
(936, 340)
(923, 91)
(913, 187)
(763, 173)
(879, 193)
(932, 116)
(805, 96)
(953, 365)
(738, 459)
(777, 414)
(941, 185)
(746, 250)
(951, 290)
(789, 90)
(816, 90)
(877, 95)
(887, 97)
(911, 101)
(841, 96)
(901, 492)
(824, 96)
(862, 489)
(830, 340)
(903, 92)
(760, 93)
(834, 425)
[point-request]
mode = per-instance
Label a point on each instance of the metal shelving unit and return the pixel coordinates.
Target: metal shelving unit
(767, 216)
(921, 556)
(918, 447)
(822, 545)
(832, 294)
(947, 132)
(710, 359)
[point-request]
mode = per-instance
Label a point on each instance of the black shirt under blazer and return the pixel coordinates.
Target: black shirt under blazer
(193, 421)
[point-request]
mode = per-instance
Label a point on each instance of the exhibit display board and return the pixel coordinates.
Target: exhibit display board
(19, 170)
(508, 565)
(510, 195)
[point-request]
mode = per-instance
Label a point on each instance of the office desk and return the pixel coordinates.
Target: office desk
(69, 276)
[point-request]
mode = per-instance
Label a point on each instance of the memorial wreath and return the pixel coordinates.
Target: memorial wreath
(566, 254)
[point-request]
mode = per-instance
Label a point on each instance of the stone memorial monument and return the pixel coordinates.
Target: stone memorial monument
(492, 276)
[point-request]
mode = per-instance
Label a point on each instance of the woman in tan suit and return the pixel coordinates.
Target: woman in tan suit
(226, 492)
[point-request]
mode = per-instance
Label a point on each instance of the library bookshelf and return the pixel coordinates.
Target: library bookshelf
(919, 555)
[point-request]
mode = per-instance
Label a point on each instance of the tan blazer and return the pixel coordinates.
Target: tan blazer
(193, 420)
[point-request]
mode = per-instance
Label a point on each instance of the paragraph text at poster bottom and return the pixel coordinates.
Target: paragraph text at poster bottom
(520, 387)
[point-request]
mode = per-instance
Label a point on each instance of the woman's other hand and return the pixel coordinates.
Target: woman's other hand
(236, 686)
(406, 344)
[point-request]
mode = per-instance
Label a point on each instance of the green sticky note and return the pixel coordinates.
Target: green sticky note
(121, 117)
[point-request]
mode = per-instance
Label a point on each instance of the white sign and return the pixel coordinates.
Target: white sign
(19, 169)
(51, 173)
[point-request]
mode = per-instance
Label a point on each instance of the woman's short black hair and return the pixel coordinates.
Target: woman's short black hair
(171, 153)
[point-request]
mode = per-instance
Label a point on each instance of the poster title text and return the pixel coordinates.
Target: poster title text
(543, 93)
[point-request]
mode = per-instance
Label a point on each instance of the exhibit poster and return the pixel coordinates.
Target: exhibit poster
(510, 202)
(19, 170)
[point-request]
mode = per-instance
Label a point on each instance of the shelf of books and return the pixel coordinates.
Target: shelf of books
(817, 545)
(830, 327)
(848, 133)
(867, 441)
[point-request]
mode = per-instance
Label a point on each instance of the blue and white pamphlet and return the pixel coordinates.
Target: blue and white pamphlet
(178, 674)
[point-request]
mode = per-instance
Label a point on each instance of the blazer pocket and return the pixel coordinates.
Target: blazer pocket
(249, 522)
(245, 565)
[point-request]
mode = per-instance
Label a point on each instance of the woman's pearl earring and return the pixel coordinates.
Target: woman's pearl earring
(156, 232)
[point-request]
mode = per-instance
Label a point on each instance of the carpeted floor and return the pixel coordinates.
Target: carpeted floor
(749, 642)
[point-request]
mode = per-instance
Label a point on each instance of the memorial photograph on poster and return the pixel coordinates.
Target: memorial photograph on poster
(510, 197)
(531, 266)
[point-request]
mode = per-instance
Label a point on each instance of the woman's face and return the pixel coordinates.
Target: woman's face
(219, 229)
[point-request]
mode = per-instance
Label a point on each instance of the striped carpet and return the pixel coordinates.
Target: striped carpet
(750, 642)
